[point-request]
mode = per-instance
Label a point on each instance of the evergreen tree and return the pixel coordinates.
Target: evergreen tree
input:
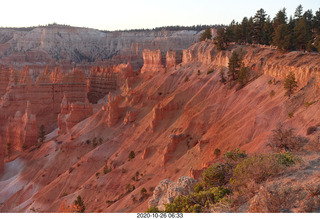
(9, 149)
(267, 32)
(230, 32)
(300, 34)
(243, 77)
(250, 30)
(290, 84)
(316, 22)
(206, 34)
(222, 78)
(282, 38)
(259, 19)
(220, 40)
(42, 134)
(80, 208)
(281, 18)
(298, 12)
(244, 30)
(234, 65)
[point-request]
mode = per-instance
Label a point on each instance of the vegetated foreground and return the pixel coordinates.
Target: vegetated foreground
(187, 119)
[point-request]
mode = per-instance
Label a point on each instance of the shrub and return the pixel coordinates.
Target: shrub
(106, 169)
(97, 174)
(259, 168)
(153, 210)
(209, 72)
(143, 192)
(283, 139)
(88, 141)
(311, 130)
(272, 93)
(216, 175)
(94, 142)
(199, 73)
(186, 79)
(234, 156)
(131, 155)
(217, 152)
(130, 188)
(197, 202)
(199, 187)
(290, 115)
(80, 208)
(100, 140)
(270, 82)
(63, 194)
(123, 170)
(307, 104)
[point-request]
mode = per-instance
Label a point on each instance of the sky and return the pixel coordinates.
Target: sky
(136, 14)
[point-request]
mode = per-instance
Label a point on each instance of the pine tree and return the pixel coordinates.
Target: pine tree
(281, 18)
(222, 78)
(9, 149)
(80, 208)
(234, 65)
(243, 77)
(267, 32)
(244, 30)
(206, 34)
(290, 84)
(259, 19)
(298, 12)
(42, 134)
(220, 40)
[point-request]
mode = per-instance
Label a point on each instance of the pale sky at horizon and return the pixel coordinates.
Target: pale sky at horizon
(129, 14)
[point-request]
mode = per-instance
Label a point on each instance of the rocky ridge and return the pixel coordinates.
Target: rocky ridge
(192, 118)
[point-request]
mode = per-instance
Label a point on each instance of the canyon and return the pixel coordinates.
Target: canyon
(164, 102)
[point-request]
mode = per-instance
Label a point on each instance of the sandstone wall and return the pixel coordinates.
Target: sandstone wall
(152, 61)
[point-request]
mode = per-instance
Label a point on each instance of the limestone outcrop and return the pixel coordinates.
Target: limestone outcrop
(152, 61)
(166, 191)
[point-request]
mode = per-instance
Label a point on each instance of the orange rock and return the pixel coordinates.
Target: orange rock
(152, 61)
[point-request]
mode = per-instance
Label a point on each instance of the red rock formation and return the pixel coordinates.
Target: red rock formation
(114, 112)
(152, 61)
(130, 117)
(101, 82)
(173, 58)
(73, 113)
(22, 130)
(4, 79)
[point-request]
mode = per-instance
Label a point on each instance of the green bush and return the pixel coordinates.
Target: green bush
(153, 210)
(217, 152)
(131, 155)
(197, 202)
(272, 93)
(209, 72)
(260, 167)
(216, 175)
(235, 156)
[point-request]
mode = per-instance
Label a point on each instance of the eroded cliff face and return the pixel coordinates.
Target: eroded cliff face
(152, 61)
(54, 43)
(261, 59)
(22, 130)
(172, 125)
(72, 113)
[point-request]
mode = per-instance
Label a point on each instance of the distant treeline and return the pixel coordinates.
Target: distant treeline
(197, 28)
(172, 28)
(300, 32)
